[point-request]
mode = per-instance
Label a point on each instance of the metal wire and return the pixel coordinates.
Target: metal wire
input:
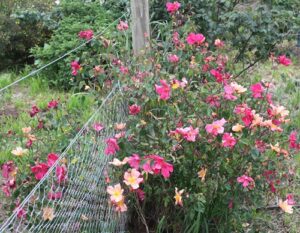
(83, 206)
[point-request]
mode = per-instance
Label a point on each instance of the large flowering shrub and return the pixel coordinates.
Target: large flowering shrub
(202, 150)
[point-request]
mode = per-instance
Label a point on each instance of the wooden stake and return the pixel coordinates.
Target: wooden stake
(140, 24)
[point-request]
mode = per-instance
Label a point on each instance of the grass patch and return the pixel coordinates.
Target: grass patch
(60, 125)
(286, 92)
(5, 79)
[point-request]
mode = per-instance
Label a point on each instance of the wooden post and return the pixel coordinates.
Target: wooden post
(298, 47)
(140, 24)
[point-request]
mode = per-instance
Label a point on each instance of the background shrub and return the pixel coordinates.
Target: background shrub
(21, 29)
(77, 15)
(253, 28)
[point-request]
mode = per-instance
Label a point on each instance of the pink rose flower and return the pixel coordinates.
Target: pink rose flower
(213, 101)
(53, 104)
(147, 167)
(228, 93)
(283, 60)
(218, 75)
(161, 166)
(120, 135)
(164, 91)
(219, 43)
(98, 127)
(7, 169)
(245, 112)
(39, 170)
(134, 109)
(29, 144)
(290, 199)
(111, 146)
(173, 58)
(216, 127)
(61, 173)
(134, 161)
(188, 133)
(34, 110)
(122, 26)
(75, 67)
(172, 7)
(260, 145)
(6, 190)
(51, 159)
(245, 180)
(228, 140)
(195, 39)
(124, 69)
(248, 117)
(257, 89)
(9, 181)
(133, 178)
(8, 186)
(293, 141)
(21, 213)
(87, 34)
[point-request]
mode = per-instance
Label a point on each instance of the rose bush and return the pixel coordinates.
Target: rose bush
(202, 150)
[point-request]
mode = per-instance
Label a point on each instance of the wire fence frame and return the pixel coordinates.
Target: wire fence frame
(109, 218)
(5, 225)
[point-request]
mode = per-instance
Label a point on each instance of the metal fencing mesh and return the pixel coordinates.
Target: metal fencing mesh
(79, 202)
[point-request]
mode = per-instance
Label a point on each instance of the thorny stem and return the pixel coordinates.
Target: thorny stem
(242, 51)
(274, 207)
(248, 67)
(268, 88)
(140, 213)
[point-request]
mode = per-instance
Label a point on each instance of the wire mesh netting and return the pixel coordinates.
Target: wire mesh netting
(72, 197)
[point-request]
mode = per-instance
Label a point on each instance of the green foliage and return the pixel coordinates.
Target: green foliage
(78, 15)
(116, 6)
(10, 6)
(217, 203)
(253, 28)
(205, 202)
(23, 24)
(5, 79)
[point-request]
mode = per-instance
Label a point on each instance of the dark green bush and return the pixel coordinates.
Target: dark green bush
(77, 15)
(252, 28)
(23, 26)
